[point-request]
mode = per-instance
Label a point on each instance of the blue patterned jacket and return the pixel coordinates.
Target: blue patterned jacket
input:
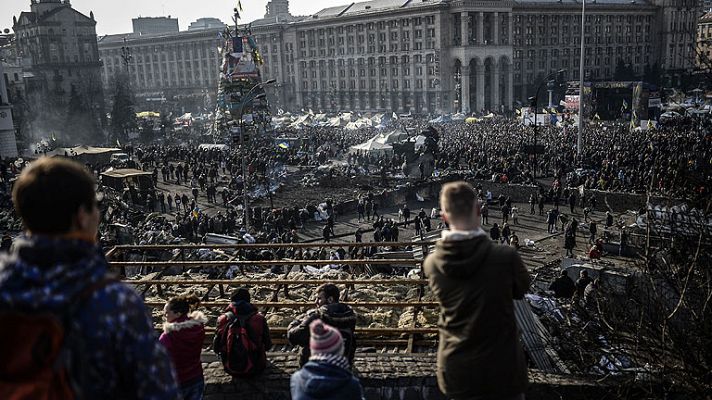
(124, 357)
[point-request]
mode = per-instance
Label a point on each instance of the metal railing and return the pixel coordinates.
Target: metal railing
(408, 337)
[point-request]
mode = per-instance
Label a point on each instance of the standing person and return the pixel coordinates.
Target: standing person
(360, 209)
(582, 282)
(247, 330)
(484, 211)
(327, 374)
(406, 215)
(515, 215)
(331, 311)
(532, 202)
(56, 276)
(593, 230)
(495, 232)
(418, 226)
(572, 201)
(474, 281)
(183, 335)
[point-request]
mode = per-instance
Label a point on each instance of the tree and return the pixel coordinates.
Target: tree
(79, 127)
(123, 117)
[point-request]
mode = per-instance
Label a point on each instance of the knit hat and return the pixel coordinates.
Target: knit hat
(325, 339)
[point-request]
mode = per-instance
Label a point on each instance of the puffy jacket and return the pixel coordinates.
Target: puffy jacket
(322, 381)
(44, 274)
(338, 315)
(183, 338)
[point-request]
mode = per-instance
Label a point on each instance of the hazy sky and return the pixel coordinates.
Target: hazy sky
(114, 16)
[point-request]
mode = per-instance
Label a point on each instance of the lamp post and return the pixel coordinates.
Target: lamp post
(242, 143)
(535, 103)
(579, 138)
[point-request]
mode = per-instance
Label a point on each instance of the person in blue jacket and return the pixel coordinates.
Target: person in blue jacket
(327, 375)
(57, 268)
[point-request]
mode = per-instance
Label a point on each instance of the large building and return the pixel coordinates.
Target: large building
(429, 56)
(57, 49)
(462, 55)
(175, 67)
(152, 25)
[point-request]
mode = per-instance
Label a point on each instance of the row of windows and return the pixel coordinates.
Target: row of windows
(566, 52)
(576, 18)
(372, 84)
(380, 25)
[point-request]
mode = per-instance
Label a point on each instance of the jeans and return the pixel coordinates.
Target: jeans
(193, 391)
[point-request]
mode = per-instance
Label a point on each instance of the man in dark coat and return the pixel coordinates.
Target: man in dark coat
(563, 287)
(329, 310)
(475, 282)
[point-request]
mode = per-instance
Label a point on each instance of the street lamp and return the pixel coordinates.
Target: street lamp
(535, 103)
(243, 150)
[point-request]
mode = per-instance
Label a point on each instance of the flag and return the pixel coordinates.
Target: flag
(518, 111)
(419, 197)
(117, 143)
(562, 103)
(283, 145)
(239, 5)
(598, 117)
(650, 124)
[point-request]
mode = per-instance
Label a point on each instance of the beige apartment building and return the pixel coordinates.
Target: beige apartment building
(427, 56)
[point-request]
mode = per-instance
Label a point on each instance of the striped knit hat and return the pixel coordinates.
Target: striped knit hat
(325, 339)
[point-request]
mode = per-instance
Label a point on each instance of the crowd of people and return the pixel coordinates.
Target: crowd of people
(57, 265)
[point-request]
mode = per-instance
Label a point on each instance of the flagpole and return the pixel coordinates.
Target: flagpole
(579, 139)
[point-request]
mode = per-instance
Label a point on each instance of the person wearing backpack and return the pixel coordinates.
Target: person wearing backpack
(331, 311)
(242, 337)
(66, 329)
(327, 374)
(183, 335)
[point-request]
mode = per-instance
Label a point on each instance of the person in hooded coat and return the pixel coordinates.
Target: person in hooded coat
(183, 336)
(57, 266)
(240, 307)
(327, 375)
(475, 281)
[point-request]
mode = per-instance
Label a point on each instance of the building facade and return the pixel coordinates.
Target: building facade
(704, 43)
(169, 66)
(153, 25)
(57, 50)
(432, 56)
(465, 55)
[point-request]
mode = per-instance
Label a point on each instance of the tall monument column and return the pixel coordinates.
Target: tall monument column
(465, 86)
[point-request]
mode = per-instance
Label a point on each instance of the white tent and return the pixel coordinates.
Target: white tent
(371, 145)
(391, 137)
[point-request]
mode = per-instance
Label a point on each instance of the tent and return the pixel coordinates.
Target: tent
(395, 136)
(148, 114)
(85, 154)
(458, 117)
(372, 146)
(441, 120)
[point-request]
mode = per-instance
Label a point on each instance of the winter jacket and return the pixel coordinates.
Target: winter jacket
(183, 338)
(475, 282)
(43, 274)
(318, 380)
(338, 315)
(258, 328)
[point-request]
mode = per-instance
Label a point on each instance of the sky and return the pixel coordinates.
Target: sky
(114, 16)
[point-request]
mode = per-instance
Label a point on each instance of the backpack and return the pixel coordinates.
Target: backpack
(42, 357)
(238, 348)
